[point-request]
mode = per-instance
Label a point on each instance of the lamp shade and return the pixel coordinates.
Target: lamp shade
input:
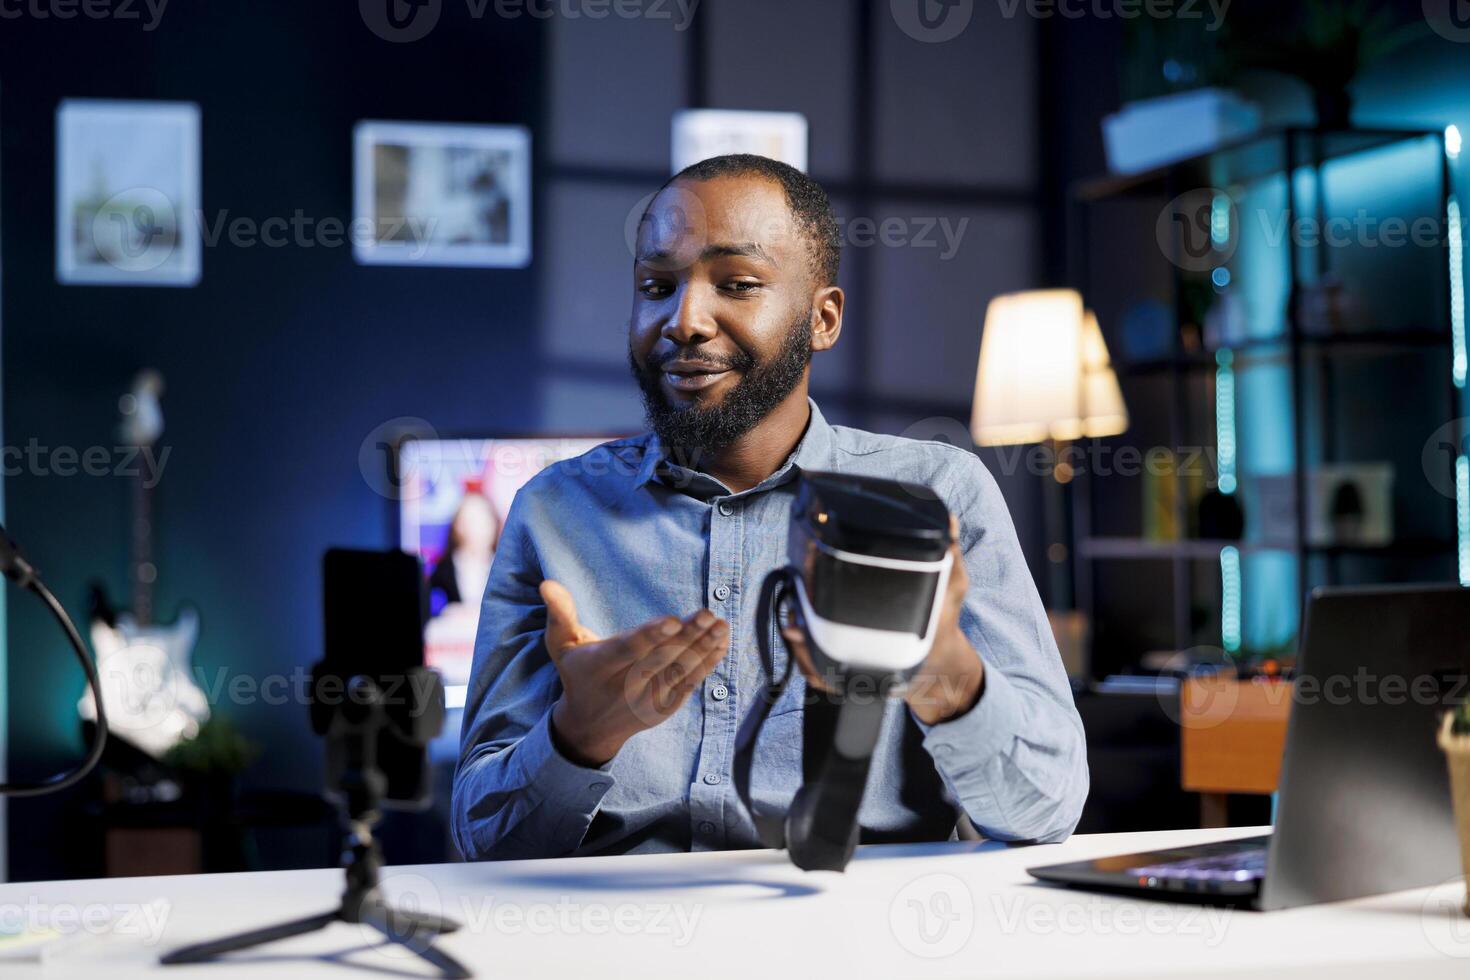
(1044, 372)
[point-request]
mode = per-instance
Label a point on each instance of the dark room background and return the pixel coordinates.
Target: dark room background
(282, 362)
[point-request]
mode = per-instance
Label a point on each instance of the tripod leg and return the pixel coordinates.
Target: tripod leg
(418, 937)
(413, 922)
(200, 952)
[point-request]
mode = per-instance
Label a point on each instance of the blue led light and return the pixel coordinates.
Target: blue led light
(1230, 598)
(1220, 220)
(1457, 291)
(1462, 514)
(1225, 419)
(1220, 277)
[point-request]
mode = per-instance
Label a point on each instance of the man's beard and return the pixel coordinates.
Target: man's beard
(693, 429)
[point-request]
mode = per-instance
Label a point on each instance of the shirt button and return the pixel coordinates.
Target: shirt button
(725, 509)
(705, 827)
(712, 778)
(722, 592)
(720, 693)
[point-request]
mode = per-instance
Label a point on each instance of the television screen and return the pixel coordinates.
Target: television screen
(455, 495)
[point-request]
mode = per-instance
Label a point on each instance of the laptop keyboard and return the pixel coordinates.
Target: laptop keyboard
(1247, 864)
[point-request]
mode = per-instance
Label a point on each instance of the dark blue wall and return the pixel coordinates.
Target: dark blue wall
(279, 363)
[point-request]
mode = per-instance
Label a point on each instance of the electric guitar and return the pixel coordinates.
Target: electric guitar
(145, 668)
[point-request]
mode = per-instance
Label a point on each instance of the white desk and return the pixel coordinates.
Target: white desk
(751, 915)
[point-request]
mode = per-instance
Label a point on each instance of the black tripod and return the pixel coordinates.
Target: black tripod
(362, 785)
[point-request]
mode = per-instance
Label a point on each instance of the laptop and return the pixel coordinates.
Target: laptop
(1364, 804)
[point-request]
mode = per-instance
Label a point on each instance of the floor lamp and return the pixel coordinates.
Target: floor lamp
(1045, 377)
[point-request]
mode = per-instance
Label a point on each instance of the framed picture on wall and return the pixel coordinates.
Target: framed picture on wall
(441, 195)
(703, 133)
(127, 193)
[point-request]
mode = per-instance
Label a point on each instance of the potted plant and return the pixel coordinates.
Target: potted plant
(1454, 739)
(1331, 42)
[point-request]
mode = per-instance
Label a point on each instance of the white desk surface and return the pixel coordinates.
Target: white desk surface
(933, 910)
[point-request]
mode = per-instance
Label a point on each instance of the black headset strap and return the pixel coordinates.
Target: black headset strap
(838, 738)
(778, 585)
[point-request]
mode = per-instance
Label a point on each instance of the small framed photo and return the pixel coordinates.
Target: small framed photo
(127, 193)
(441, 195)
(703, 133)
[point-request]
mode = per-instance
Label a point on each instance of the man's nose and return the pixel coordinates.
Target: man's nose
(692, 321)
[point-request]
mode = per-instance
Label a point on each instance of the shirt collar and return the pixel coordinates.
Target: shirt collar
(813, 452)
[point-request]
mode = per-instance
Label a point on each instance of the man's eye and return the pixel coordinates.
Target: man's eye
(654, 290)
(742, 286)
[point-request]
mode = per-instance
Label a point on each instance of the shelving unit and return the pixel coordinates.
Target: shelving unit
(1301, 168)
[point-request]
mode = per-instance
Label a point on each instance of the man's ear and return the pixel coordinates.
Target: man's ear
(827, 317)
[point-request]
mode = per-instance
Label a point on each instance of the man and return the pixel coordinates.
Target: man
(617, 654)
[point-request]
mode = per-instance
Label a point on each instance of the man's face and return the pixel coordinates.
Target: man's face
(721, 331)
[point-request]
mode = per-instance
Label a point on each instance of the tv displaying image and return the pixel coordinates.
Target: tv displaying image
(455, 496)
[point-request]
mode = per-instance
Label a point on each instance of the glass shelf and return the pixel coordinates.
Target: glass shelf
(1246, 160)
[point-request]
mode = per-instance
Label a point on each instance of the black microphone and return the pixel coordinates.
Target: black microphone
(13, 563)
(18, 570)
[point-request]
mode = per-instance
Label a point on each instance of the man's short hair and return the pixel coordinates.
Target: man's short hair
(804, 196)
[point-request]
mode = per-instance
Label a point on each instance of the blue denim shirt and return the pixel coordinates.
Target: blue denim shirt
(634, 536)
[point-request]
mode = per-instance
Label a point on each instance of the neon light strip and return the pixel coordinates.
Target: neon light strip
(1462, 514)
(1230, 598)
(1225, 419)
(1457, 292)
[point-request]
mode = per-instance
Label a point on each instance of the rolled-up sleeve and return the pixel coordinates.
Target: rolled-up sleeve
(1017, 761)
(515, 794)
